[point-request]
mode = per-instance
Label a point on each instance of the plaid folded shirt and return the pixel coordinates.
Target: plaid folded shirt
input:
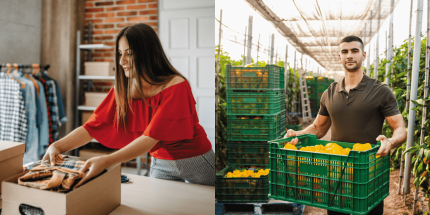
(13, 120)
(60, 178)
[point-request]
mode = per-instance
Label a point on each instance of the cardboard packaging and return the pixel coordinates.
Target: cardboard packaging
(85, 116)
(94, 99)
(11, 155)
(90, 153)
(101, 196)
(99, 68)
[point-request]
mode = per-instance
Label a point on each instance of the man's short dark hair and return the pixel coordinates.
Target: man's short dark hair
(352, 38)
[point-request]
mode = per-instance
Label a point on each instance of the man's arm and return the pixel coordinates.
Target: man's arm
(319, 127)
(399, 135)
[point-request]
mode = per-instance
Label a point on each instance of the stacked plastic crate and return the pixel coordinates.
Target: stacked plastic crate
(255, 115)
(316, 87)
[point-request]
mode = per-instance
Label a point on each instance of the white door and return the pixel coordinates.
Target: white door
(187, 33)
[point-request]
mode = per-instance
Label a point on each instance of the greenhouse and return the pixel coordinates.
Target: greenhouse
(285, 134)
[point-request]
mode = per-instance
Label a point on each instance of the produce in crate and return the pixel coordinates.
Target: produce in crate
(352, 184)
(244, 173)
(329, 148)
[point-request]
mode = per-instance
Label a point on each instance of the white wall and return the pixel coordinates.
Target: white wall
(20, 34)
(187, 33)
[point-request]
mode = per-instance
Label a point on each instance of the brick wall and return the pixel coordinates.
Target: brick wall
(110, 16)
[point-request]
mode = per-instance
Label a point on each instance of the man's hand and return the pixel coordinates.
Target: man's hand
(385, 146)
(96, 166)
(290, 133)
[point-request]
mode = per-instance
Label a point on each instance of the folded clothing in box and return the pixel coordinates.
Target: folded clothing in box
(60, 178)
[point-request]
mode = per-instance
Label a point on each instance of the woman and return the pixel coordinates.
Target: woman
(151, 108)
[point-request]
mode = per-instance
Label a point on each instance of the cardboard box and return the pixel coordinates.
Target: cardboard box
(98, 196)
(11, 155)
(90, 153)
(94, 99)
(85, 116)
(99, 68)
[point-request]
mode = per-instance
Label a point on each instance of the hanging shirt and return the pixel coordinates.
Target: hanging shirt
(43, 122)
(48, 110)
(32, 138)
(172, 120)
(13, 120)
(54, 107)
(58, 114)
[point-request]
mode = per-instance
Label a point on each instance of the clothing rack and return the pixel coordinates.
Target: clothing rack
(26, 66)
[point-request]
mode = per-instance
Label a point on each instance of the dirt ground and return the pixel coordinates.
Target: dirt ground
(394, 204)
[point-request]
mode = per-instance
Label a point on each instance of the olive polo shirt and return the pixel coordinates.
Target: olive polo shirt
(358, 117)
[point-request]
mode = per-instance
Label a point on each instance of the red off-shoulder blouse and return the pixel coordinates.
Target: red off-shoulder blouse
(173, 121)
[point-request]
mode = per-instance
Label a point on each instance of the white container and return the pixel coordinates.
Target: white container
(94, 99)
(99, 68)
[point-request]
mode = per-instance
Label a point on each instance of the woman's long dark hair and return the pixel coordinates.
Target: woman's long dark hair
(150, 62)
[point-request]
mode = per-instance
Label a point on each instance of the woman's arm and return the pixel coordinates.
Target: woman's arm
(73, 140)
(139, 146)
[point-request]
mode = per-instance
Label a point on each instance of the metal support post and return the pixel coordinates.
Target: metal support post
(414, 86)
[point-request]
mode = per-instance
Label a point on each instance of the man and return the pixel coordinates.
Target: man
(355, 108)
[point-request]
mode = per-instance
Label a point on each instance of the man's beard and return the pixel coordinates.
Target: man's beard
(357, 65)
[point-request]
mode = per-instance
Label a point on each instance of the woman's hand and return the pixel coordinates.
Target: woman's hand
(96, 166)
(50, 154)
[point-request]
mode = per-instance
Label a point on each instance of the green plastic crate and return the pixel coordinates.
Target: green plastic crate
(319, 95)
(313, 95)
(294, 127)
(282, 135)
(310, 80)
(281, 78)
(352, 184)
(248, 154)
(322, 80)
(253, 128)
(322, 87)
(251, 78)
(236, 190)
(282, 121)
(253, 103)
(314, 109)
(311, 88)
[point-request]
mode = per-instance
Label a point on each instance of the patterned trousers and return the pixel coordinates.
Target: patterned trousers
(196, 170)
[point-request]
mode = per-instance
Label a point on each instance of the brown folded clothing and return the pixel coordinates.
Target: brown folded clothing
(60, 178)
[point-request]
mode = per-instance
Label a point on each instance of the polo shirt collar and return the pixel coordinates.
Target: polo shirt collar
(341, 87)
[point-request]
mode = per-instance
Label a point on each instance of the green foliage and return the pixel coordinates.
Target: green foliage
(399, 82)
